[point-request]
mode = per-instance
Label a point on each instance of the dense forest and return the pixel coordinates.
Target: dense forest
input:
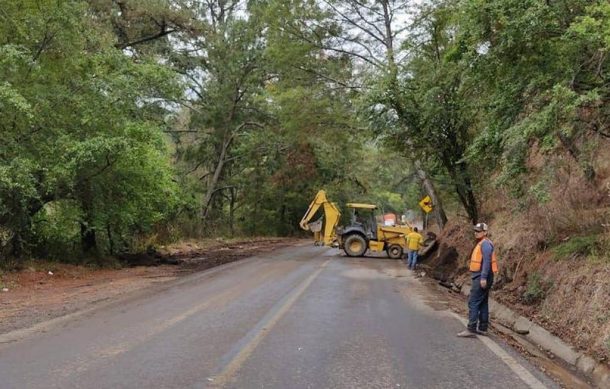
(130, 123)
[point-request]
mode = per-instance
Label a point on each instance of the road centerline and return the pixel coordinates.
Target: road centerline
(249, 343)
(97, 355)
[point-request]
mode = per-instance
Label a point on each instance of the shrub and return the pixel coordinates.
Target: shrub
(578, 246)
(536, 288)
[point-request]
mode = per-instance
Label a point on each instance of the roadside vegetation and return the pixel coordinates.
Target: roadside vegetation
(584, 247)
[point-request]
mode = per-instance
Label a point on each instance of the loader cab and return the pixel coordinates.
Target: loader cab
(363, 218)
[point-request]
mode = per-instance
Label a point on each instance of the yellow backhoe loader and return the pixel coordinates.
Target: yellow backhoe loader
(361, 234)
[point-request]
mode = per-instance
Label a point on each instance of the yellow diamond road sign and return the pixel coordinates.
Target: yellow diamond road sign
(426, 204)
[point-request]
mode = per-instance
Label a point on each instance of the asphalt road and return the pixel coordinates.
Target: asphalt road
(304, 317)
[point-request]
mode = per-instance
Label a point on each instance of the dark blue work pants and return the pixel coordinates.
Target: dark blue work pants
(412, 257)
(478, 305)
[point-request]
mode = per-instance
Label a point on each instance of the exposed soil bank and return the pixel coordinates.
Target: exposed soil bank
(570, 298)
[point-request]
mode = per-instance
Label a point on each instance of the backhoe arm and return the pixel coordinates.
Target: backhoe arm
(331, 219)
(317, 202)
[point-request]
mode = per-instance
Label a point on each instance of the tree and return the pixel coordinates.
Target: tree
(81, 127)
(221, 62)
(542, 81)
(370, 31)
(438, 97)
(312, 140)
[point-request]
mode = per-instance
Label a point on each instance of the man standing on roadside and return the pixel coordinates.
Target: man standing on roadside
(483, 266)
(414, 243)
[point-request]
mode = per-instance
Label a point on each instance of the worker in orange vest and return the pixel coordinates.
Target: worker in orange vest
(483, 266)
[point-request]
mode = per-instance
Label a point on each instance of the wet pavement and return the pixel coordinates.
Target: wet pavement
(302, 317)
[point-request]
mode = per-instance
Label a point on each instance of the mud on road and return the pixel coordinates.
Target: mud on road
(47, 290)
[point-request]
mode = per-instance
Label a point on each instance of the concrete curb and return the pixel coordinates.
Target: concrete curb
(598, 372)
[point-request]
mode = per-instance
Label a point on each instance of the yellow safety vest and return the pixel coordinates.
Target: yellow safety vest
(414, 240)
(476, 259)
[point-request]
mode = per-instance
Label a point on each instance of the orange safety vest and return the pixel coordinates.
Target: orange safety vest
(476, 258)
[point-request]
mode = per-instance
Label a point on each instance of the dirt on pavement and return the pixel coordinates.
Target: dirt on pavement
(45, 290)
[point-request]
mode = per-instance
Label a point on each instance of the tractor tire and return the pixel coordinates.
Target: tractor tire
(394, 251)
(355, 245)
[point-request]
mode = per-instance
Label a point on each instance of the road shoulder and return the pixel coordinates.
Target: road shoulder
(53, 291)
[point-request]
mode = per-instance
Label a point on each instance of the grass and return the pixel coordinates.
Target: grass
(578, 246)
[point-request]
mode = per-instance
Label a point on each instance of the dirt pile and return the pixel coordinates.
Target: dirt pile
(203, 254)
(448, 263)
(197, 256)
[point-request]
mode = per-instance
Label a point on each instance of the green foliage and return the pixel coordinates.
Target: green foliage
(423, 105)
(591, 247)
(537, 73)
(290, 133)
(57, 230)
(537, 288)
(83, 154)
(540, 192)
(116, 136)
(576, 247)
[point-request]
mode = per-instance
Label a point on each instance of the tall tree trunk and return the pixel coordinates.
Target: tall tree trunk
(438, 210)
(87, 231)
(462, 182)
(231, 211)
(216, 176)
(110, 241)
(88, 239)
(256, 210)
(465, 194)
(17, 244)
(470, 201)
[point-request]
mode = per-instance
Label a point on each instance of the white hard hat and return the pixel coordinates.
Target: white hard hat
(480, 227)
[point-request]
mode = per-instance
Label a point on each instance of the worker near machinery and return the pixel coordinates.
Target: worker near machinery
(483, 266)
(414, 242)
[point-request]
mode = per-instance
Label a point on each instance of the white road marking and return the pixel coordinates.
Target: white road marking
(150, 331)
(244, 353)
(515, 366)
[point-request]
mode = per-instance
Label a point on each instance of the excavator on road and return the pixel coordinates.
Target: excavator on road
(361, 234)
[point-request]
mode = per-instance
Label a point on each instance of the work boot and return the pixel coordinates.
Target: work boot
(482, 332)
(466, 334)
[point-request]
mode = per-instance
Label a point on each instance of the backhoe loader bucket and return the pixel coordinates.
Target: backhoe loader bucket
(315, 226)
